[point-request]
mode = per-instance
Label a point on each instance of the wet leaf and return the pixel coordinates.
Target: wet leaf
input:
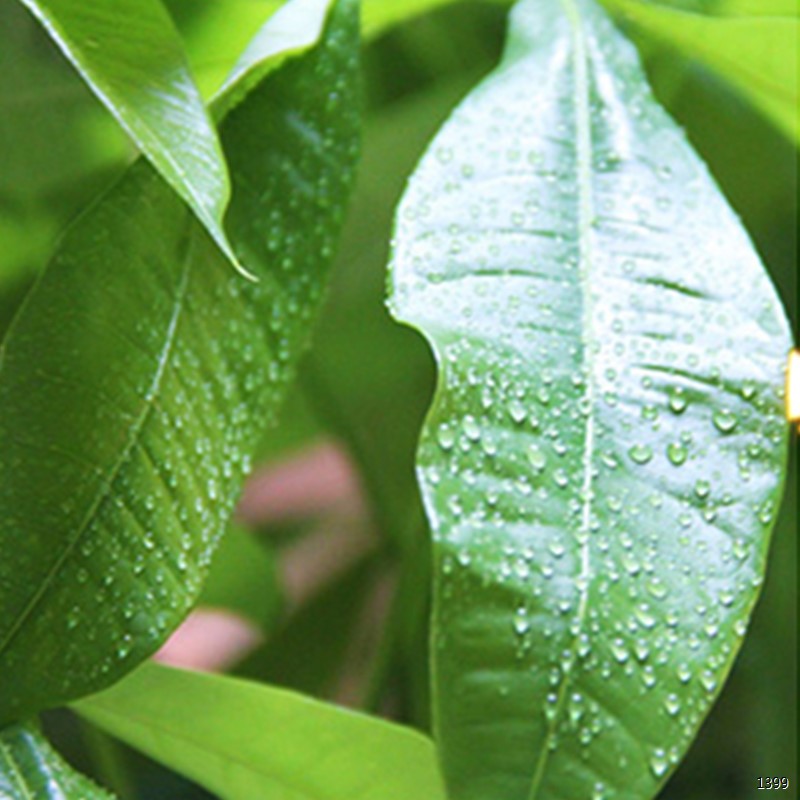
(140, 373)
(131, 56)
(605, 452)
(30, 768)
(247, 741)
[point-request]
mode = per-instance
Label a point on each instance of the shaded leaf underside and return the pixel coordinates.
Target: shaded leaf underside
(604, 455)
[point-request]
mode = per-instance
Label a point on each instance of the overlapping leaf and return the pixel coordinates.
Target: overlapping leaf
(30, 768)
(604, 455)
(246, 741)
(750, 44)
(131, 56)
(137, 378)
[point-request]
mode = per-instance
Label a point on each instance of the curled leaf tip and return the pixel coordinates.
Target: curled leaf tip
(243, 271)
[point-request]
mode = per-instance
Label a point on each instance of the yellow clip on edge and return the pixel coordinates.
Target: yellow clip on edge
(793, 387)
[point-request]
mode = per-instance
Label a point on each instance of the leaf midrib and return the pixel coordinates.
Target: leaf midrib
(133, 438)
(585, 224)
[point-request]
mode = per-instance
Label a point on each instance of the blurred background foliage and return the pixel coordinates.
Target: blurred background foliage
(360, 636)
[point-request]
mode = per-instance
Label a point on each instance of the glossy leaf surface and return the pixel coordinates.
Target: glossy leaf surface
(137, 379)
(604, 455)
(31, 769)
(132, 57)
(247, 741)
(753, 45)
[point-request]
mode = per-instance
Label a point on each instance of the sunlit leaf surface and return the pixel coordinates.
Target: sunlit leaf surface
(753, 45)
(247, 741)
(604, 456)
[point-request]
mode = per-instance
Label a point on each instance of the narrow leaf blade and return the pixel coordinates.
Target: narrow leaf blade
(247, 741)
(30, 768)
(137, 379)
(605, 451)
(132, 58)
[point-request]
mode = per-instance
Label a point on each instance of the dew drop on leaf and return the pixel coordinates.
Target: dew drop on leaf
(724, 420)
(641, 453)
(677, 454)
(677, 400)
(445, 436)
(659, 763)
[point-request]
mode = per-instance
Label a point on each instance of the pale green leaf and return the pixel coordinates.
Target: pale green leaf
(604, 455)
(141, 372)
(247, 741)
(751, 45)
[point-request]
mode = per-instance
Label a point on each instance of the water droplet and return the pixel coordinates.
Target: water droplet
(517, 411)
(445, 436)
(556, 548)
(740, 549)
(640, 453)
(645, 616)
(677, 400)
(521, 622)
(724, 420)
(677, 454)
(659, 763)
(537, 458)
(619, 651)
(702, 489)
(656, 588)
(672, 704)
(708, 680)
(471, 428)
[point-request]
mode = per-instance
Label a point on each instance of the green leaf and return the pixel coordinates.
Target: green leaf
(770, 8)
(140, 373)
(131, 56)
(247, 741)
(30, 768)
(605, 451)
(244, 578)
(308, 652)
(752, 45)
(211, 55)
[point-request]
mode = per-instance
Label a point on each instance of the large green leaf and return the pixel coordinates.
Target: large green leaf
(753, 45)
(605, 452)
(131, 56)
(137, 378)
(246, 741)
(31, 769)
